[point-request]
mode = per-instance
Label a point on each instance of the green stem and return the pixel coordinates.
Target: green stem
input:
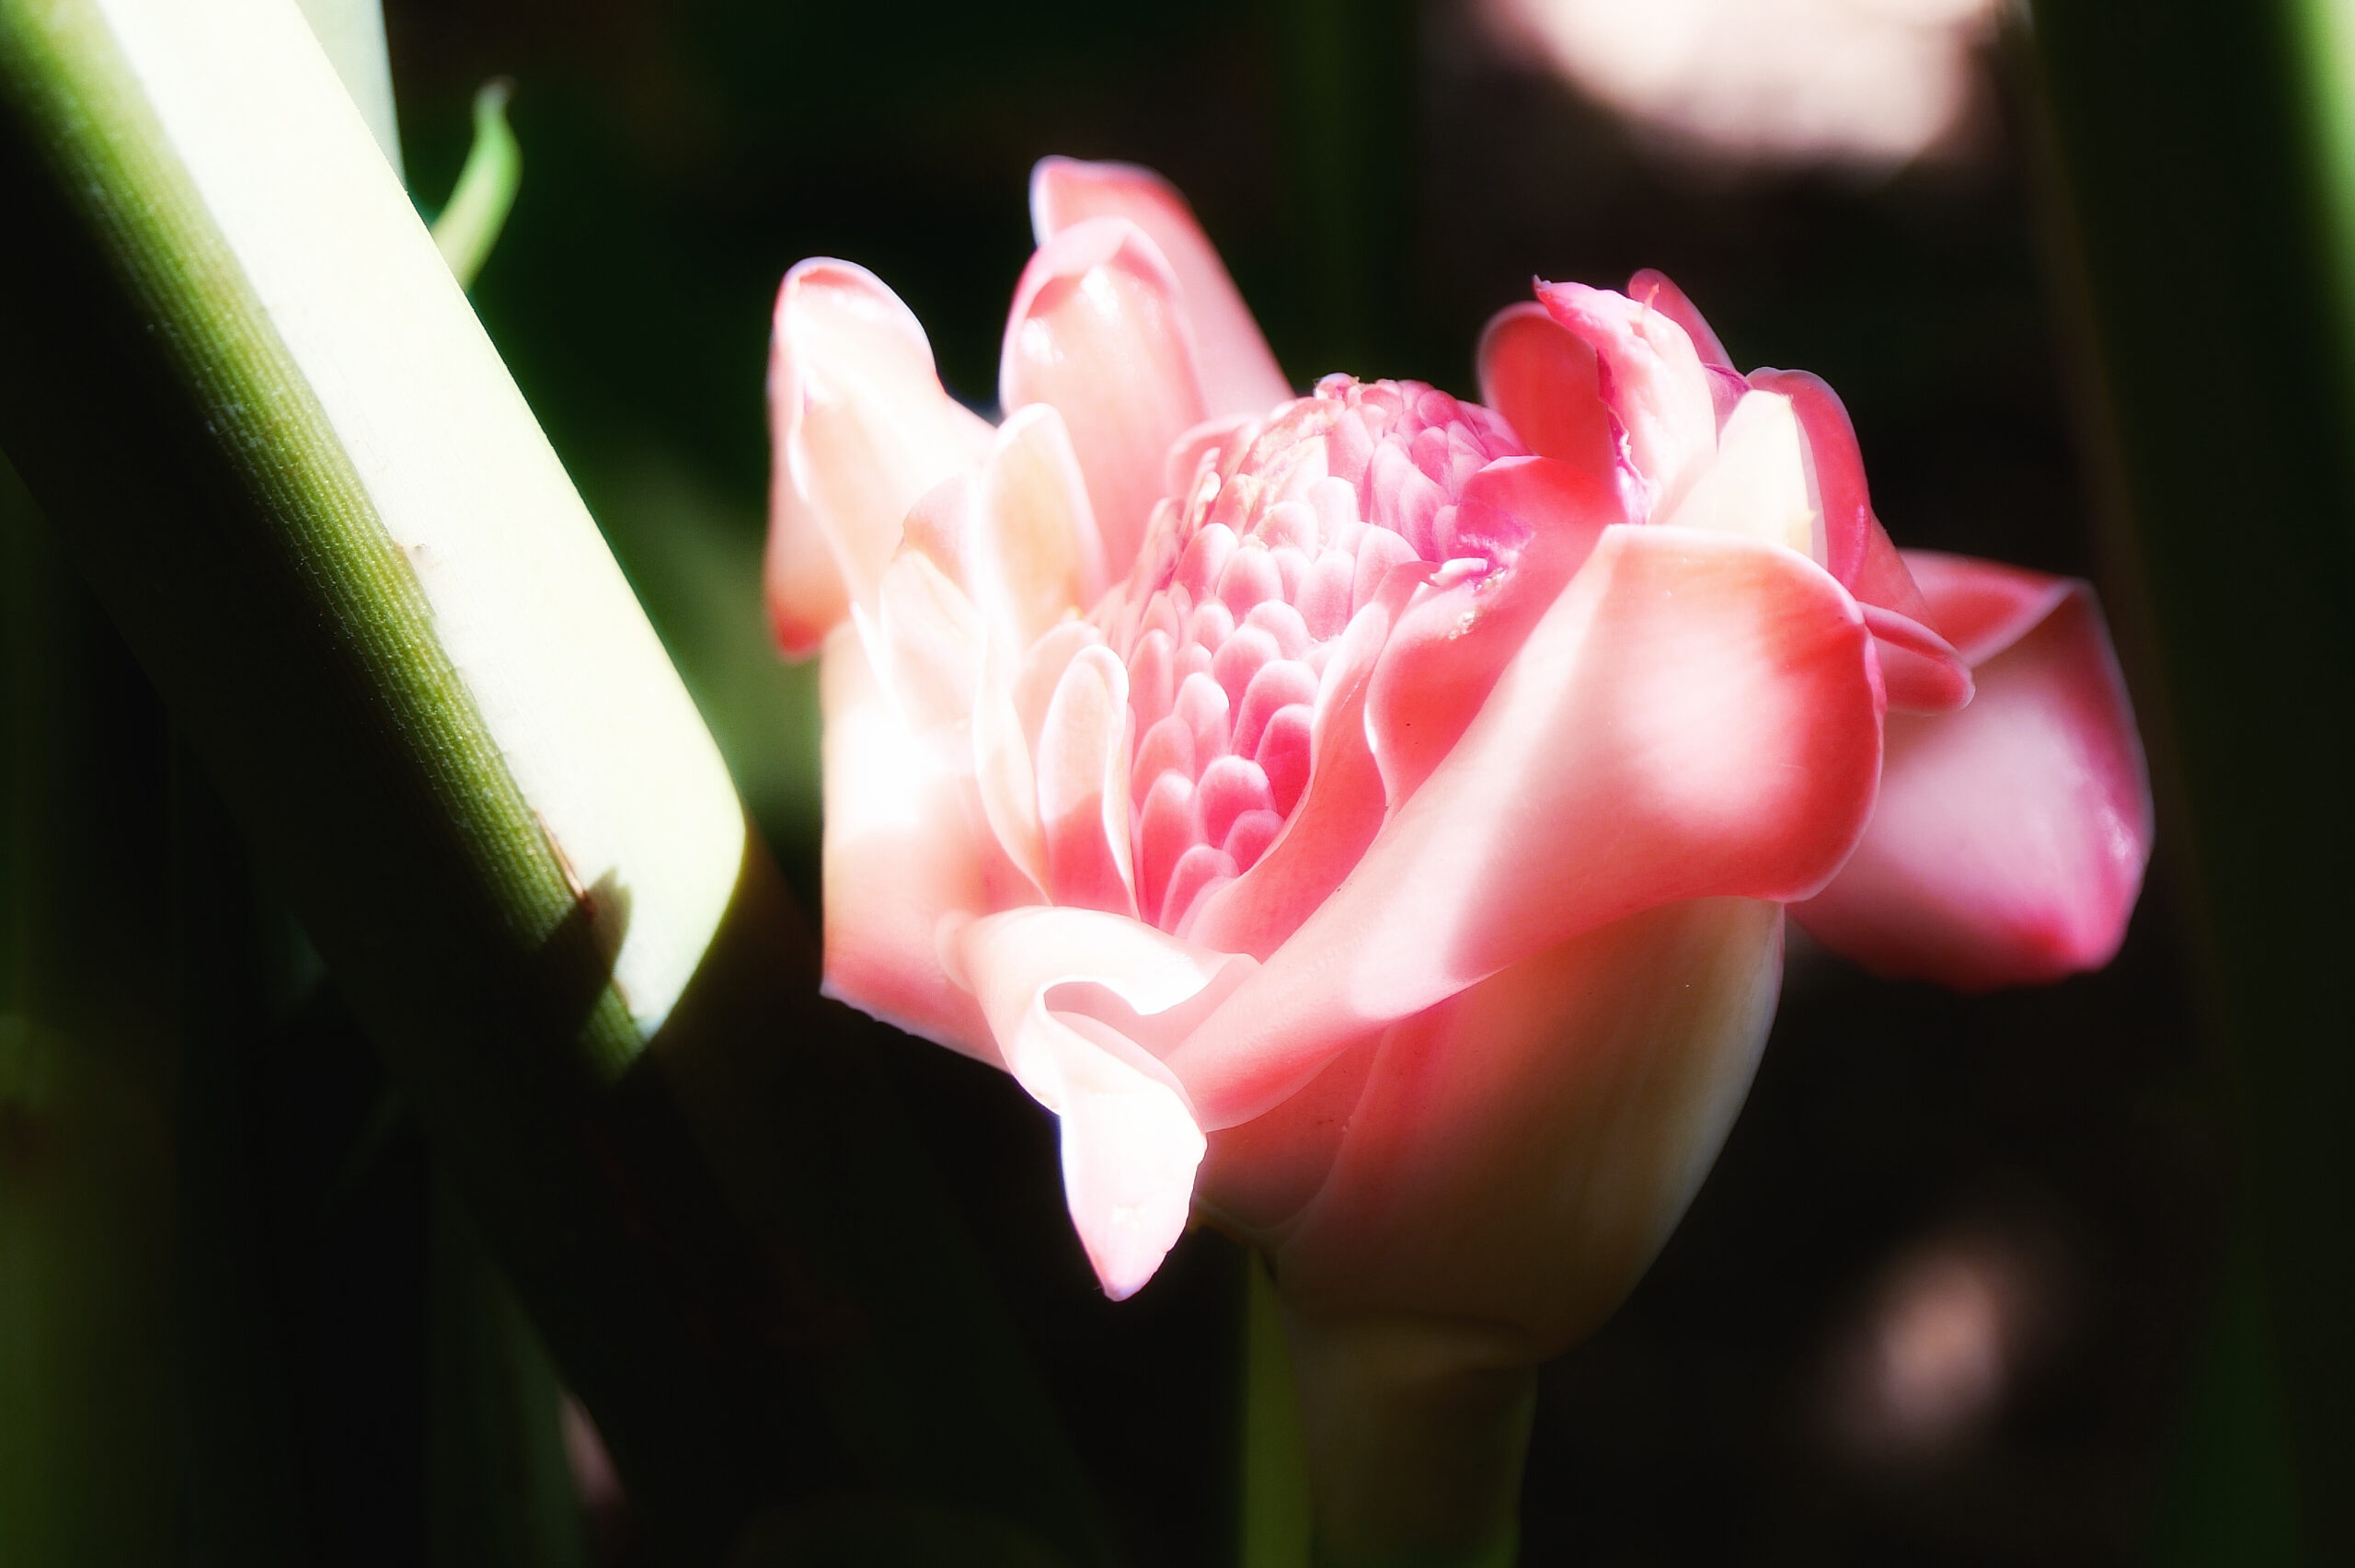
(1418, 1429)
(238, 374)
(1276, 1521)
(2203, 181)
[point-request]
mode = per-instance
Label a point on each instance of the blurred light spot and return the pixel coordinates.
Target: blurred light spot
(1940, 1346)
(594, 1480)
(1871, 83)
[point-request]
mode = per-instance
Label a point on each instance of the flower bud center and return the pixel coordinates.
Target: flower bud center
(1283, 530)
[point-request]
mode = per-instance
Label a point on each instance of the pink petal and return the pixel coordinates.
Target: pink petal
(1098, 329)
(861, 428)
(1341, 810)
(1239, 373)
(1651, 287)
(1695, 716)
(1036, 536)
(1517, 1153)
(1924, 674)
(900, 867)
(1079, 1003)
(1652, 382)
(1450, 648)
(1082, 765)
(1543, 381)
(2010, 840)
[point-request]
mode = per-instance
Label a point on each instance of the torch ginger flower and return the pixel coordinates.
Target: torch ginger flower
(1366, 818)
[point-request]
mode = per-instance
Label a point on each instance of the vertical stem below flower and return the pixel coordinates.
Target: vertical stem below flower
(2205, 163)
(1417, 1432)
(1276, 1520)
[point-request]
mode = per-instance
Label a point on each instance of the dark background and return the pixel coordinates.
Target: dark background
(1381, 177)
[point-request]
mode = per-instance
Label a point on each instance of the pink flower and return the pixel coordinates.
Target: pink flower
(1365, 818)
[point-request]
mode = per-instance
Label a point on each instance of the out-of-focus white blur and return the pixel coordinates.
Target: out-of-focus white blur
(1864, 83)
(1942, 1342)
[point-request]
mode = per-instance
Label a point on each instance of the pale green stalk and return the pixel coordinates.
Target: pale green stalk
(485, 193)
(239, 376)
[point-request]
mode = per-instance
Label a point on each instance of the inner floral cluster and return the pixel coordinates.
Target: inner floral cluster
(1283, 530)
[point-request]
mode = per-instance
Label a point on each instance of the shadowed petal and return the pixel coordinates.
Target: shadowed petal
(1239, 373)
(1518, 1153)
(2010, 840)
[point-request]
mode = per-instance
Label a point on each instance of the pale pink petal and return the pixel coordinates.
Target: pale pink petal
(1239, 373)
(900, 867)
(860, 428)
(1448, 650)
(1652, 382)
(1542, 380)
(1759, 484)
(1924, 674)
(1651, 287)
(1041, 558)
(1098, 329)
(1083, 763)
(1079, 1003)
(1517, 1153)
(1697, 715)
(931, 642)
(2010, 840)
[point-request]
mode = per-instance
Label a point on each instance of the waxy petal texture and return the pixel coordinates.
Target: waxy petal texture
(1079, 1001)
(2010, 840)
(1239, 373)
(1653, 381)
(1695, 718)
(1518, 1153)
(901, 866)
(1099, 330)
(1536, 374)
(860, 427)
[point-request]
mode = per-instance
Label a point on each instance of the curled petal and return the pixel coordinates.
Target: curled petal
(1447, 651)
(1078, 1001)
(1696, 716)
(1518, 1153)
(1651, 287)
(901, 868)
(1239, 373)
(1652, 382)
(861, 427)
(1542, 379)
(2010, 840)
(1925, 674)
(1099, 330)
